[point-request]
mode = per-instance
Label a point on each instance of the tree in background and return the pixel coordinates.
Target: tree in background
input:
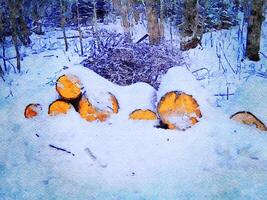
(79, 27)
(2, 42)
(125, 18)
(254, 30)
(37, 13)
(153, 22)
(63, 22)
(13, 7)
(190, 28)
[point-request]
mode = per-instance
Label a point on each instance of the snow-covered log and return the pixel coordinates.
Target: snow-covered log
(178, 110)
(249, 119)
(181, 101)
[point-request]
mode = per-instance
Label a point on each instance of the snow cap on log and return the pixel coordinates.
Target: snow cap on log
(32, 110)
(98, 89)
(69, 87)
(249, 119)
(58, 107)
(140, 114)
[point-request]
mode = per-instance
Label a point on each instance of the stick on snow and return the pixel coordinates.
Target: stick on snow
(61, 149)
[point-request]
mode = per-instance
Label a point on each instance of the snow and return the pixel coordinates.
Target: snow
(122, 159)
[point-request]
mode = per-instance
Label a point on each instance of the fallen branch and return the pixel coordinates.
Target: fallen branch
(142, 38)
(72, 37)
(263, 54)
(47, 56)
(61, 149)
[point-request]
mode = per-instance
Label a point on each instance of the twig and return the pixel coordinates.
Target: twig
(142, 38)
(263, 54)
(61, 149)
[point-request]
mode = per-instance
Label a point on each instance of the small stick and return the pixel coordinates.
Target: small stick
(61, 149)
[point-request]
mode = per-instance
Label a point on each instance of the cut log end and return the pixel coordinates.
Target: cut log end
(143, 115)
(114, 103)
(69, 87)
(249, 119)
(89, 112)
(58, 107)
(178, 110)
(32, 110)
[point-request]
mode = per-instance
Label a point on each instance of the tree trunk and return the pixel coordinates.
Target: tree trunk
(125, 19)
(15, 42)
(153, 24)
(12, 14)
(254, 30)
(36, 19)
(116, 6)
(79, 27)
(162, 19)
(94, 17)
(190, 39)
(62, 23)
(1, 71)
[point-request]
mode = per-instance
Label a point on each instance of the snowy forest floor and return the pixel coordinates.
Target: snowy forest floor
(123, 159)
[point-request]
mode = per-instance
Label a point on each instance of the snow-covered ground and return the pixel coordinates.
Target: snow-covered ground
(123, 159)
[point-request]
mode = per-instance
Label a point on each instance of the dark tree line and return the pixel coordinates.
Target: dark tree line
(20, 18)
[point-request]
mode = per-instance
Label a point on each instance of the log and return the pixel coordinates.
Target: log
(249, 119)
(140, 114)
(58, 107)
(114, 103)
(32, 110)
(178, 110)
(89, 112)
(69, 87)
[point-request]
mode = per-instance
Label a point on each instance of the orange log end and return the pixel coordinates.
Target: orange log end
(58, 107)
(32, 110)
(69, 87)
(178, 110)
(143, 115)
(89, 112)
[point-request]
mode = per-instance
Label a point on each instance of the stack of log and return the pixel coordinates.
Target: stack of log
(174, 110)
(72, 94)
